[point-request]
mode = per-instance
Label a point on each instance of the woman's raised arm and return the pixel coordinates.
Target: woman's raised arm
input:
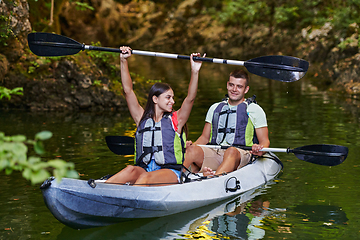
(186, 106)
(135, 109)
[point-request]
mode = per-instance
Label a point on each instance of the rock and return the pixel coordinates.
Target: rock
(4, 65)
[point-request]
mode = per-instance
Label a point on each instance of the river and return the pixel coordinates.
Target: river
(306, 201)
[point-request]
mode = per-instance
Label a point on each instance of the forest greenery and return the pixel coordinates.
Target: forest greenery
(284, 14)
(5, 92)
(290, 14)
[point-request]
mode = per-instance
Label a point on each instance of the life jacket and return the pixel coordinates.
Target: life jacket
(161, 142)
(233, 125)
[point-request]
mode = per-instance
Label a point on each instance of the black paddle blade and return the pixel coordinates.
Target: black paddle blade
(322, 154)
(52, 45)
(120, 145)
(281, 68)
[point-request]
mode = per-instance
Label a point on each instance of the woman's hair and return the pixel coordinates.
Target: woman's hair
(155, 90)
(149, 111)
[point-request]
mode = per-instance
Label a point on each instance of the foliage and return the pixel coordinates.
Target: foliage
(13, 156)
(353, 40)
(82, 6)
(4, 92)
(5, 30)
(104, 59)
(290, 14)
(97, 83)
(242, 12)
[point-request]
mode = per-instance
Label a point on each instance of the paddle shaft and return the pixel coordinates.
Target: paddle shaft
(203, 59)
(283, 150)
(170, 55)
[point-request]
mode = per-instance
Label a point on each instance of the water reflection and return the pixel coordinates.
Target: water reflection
(327, 215)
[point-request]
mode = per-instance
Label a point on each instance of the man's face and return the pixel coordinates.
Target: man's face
(237, 89)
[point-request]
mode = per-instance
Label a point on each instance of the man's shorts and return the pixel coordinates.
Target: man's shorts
(214, 157)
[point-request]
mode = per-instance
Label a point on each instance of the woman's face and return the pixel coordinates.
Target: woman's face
(165, 101)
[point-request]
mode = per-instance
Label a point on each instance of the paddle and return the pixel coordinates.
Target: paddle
(120, 145)
(281, 68)
(322, 154)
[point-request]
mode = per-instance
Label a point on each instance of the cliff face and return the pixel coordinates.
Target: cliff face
(86, 82)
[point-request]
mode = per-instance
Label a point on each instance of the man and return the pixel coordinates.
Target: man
(235, 121)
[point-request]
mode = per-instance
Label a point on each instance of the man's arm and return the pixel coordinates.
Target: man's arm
(205, 136)
(264, 142)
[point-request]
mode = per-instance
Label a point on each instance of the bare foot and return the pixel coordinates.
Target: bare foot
(208, 172)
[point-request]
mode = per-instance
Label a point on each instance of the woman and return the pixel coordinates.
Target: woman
(159, 137)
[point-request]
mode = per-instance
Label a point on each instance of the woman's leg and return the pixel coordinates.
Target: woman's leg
(128, 175)
(194, 157)
(161, 177)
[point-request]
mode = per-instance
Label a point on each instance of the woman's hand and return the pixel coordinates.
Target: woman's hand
(196, 65)
(125, 52)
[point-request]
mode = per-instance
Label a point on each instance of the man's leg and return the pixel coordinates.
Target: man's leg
(230, 162)
(234, 158)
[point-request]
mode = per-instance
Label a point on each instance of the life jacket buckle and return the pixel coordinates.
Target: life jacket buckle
(156, 148)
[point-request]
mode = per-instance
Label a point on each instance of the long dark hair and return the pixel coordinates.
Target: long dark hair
(149, 111)
(155, 90)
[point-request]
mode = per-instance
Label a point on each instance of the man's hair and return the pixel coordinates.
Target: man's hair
(239, 73)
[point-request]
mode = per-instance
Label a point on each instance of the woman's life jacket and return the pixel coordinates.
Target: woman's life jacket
(233, 125)
(161, 142)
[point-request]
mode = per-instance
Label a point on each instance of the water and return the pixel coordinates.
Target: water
(307, 201)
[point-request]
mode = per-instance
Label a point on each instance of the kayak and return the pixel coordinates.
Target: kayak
(194, 221)
(85, 204)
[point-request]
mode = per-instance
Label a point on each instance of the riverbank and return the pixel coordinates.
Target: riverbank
(90, 80)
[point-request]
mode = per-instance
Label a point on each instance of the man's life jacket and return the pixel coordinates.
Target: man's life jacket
(233, 125)
(159, 141)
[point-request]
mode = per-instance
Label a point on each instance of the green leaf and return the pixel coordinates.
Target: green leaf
(33, 160)
(27, 173)
(3, 164)
(39, 176)
(44, 135)
(72, 174)
(8, 171)
(18, 138)
(39, 148)
(39, 166)
(58, 163)
(17, 148)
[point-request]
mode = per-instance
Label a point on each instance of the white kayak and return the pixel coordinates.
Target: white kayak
(78, 204)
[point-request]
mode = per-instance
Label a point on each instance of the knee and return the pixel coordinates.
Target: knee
(193, 152)
(143, 179)
(232, 154)
(129, 169)
(232, 151)
(190, 152)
